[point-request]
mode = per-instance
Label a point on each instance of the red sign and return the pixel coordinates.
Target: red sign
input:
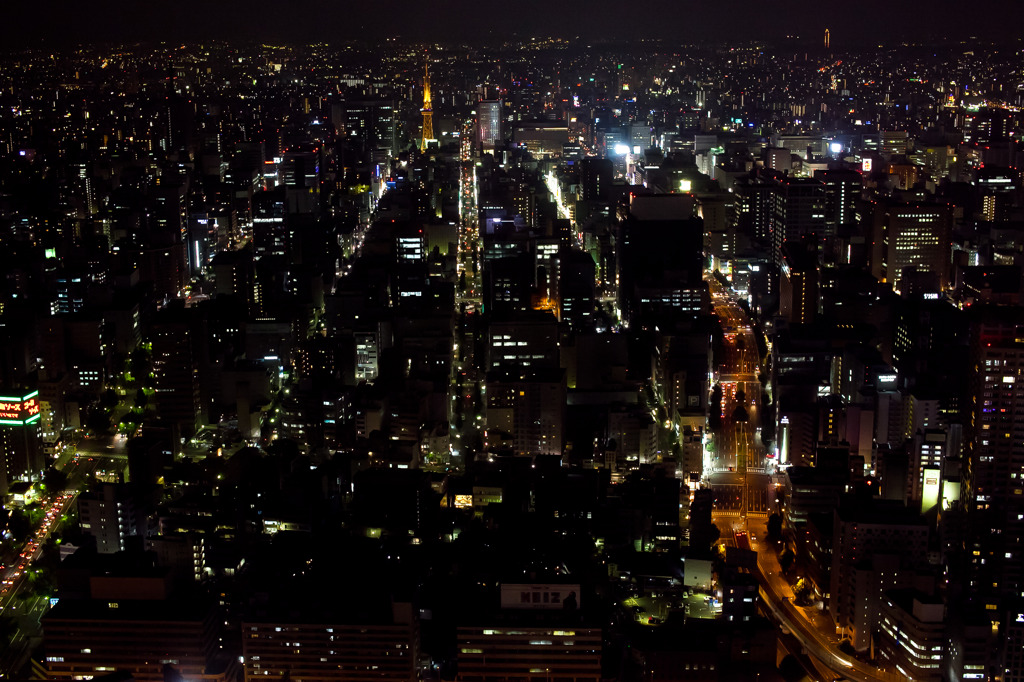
(20, 410)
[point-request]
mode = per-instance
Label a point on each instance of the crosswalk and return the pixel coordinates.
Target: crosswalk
(736, 513)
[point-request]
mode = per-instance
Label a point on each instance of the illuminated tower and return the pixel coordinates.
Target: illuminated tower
(826, 38)
(427, 111)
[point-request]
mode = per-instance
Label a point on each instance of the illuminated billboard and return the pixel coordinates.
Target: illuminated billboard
(20, 410)
(930, 492)
(517, 596)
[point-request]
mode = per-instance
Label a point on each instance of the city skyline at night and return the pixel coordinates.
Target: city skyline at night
(440, 341)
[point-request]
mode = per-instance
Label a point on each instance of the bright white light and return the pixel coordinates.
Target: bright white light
(621, 149)
(836, 147)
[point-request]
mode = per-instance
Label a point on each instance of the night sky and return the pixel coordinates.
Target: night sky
(49, 22)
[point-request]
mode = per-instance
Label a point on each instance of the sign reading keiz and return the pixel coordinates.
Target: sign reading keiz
(522, 596)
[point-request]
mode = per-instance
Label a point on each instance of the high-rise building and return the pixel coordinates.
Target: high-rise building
(576, 289)
(779, 159)
(301, 174)
(914, 238)
(176, 370)
(894, 142)
(72, 290)
(799, 283)
(371, 120)
(913, 634)
(490, 131)
(798, 212)
(877, 547)
(994, 462)
(842, 191)
(110, 515)
(524, 341)
(596, 179)
(525, 411)
(661, 264)
(754, 207)
(234, 274)
(269, 236)
(20, 453)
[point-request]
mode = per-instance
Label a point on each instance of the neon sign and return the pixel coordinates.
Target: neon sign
(19, 410)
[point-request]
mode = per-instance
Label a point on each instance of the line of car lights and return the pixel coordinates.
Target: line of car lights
(33, 545)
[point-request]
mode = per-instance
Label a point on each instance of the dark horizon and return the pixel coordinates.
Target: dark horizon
(307, 21)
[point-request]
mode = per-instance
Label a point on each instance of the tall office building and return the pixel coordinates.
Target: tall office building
(661, 264)
(842, 190)
(994, 461)
(798, 212)
(269, 237)
(489, 127)
(110, 515)
(799, 284)
(526, 411)
(20, 454)
(524, 341)
(176, 369)
(72, 290)
(877, 547)
(913, 634)
(301, 171)
(913, 239)
(894, 142)
(779, 159)
(576, 289)
(754, 207)
(596, 179)
(234, 275)
(369, 119)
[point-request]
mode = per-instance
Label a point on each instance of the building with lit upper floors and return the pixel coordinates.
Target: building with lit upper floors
(878, 545)
(913, 634)
(913, 238)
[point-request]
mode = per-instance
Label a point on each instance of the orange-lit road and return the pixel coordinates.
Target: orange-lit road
(13, 577)
(737, 445)
(812, 629)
